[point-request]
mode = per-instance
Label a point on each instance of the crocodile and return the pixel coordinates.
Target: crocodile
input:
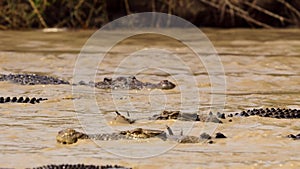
(71, 136)
(132, 82)
(32, 79)
(32, 100)
(166, 115)
(175, 115)
(79, 166)
(271, 113)
(108, 83)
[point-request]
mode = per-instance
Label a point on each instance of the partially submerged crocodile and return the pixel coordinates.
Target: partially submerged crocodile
(32, 79)
(32, 100)
(71, 136)
(132, 83)
(80, 166)
(119, 83)
(278, 113)
(166, 115)
(175, 115)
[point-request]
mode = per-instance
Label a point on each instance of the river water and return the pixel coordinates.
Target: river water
(261, 68)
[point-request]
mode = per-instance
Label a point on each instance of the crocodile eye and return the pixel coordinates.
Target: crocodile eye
(165, 84)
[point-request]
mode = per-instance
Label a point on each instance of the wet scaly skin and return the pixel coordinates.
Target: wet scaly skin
(71, 136)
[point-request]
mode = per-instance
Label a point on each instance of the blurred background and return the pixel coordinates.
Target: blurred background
(87, 14)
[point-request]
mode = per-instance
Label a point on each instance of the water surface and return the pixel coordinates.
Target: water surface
(261, 67)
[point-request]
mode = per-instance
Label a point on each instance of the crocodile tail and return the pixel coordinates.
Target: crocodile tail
(21, 100)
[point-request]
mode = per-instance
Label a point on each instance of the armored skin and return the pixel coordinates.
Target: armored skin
(129, 83)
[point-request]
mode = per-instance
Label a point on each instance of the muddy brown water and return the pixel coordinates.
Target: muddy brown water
(262, 69)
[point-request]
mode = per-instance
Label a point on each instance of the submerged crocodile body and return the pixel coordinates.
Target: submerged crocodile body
(119, 83)
(132, 82)
(32, 79)
(270, 112)
(71, 136)
(80, 166)
(175, 115)
(166, 115)
(32, 100)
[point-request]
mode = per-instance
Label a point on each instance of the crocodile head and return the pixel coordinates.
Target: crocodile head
(69, 136)
(165, 84)
(142, 133)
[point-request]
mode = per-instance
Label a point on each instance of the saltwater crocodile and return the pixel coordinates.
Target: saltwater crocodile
(70, 136)
(119, 83)
(166, 115)
(175, 115)
(80, 166)
(32, 79)
(132, 82)
(21, 100)
(279, 113)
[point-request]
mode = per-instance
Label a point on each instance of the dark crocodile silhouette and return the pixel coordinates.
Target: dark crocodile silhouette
(166, 115)
(270, 112)
(71, 136)
(295, 137)
(32, 100)
(119, 83)
(80, 166)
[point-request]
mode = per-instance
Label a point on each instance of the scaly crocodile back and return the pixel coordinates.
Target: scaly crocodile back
(32, 100)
